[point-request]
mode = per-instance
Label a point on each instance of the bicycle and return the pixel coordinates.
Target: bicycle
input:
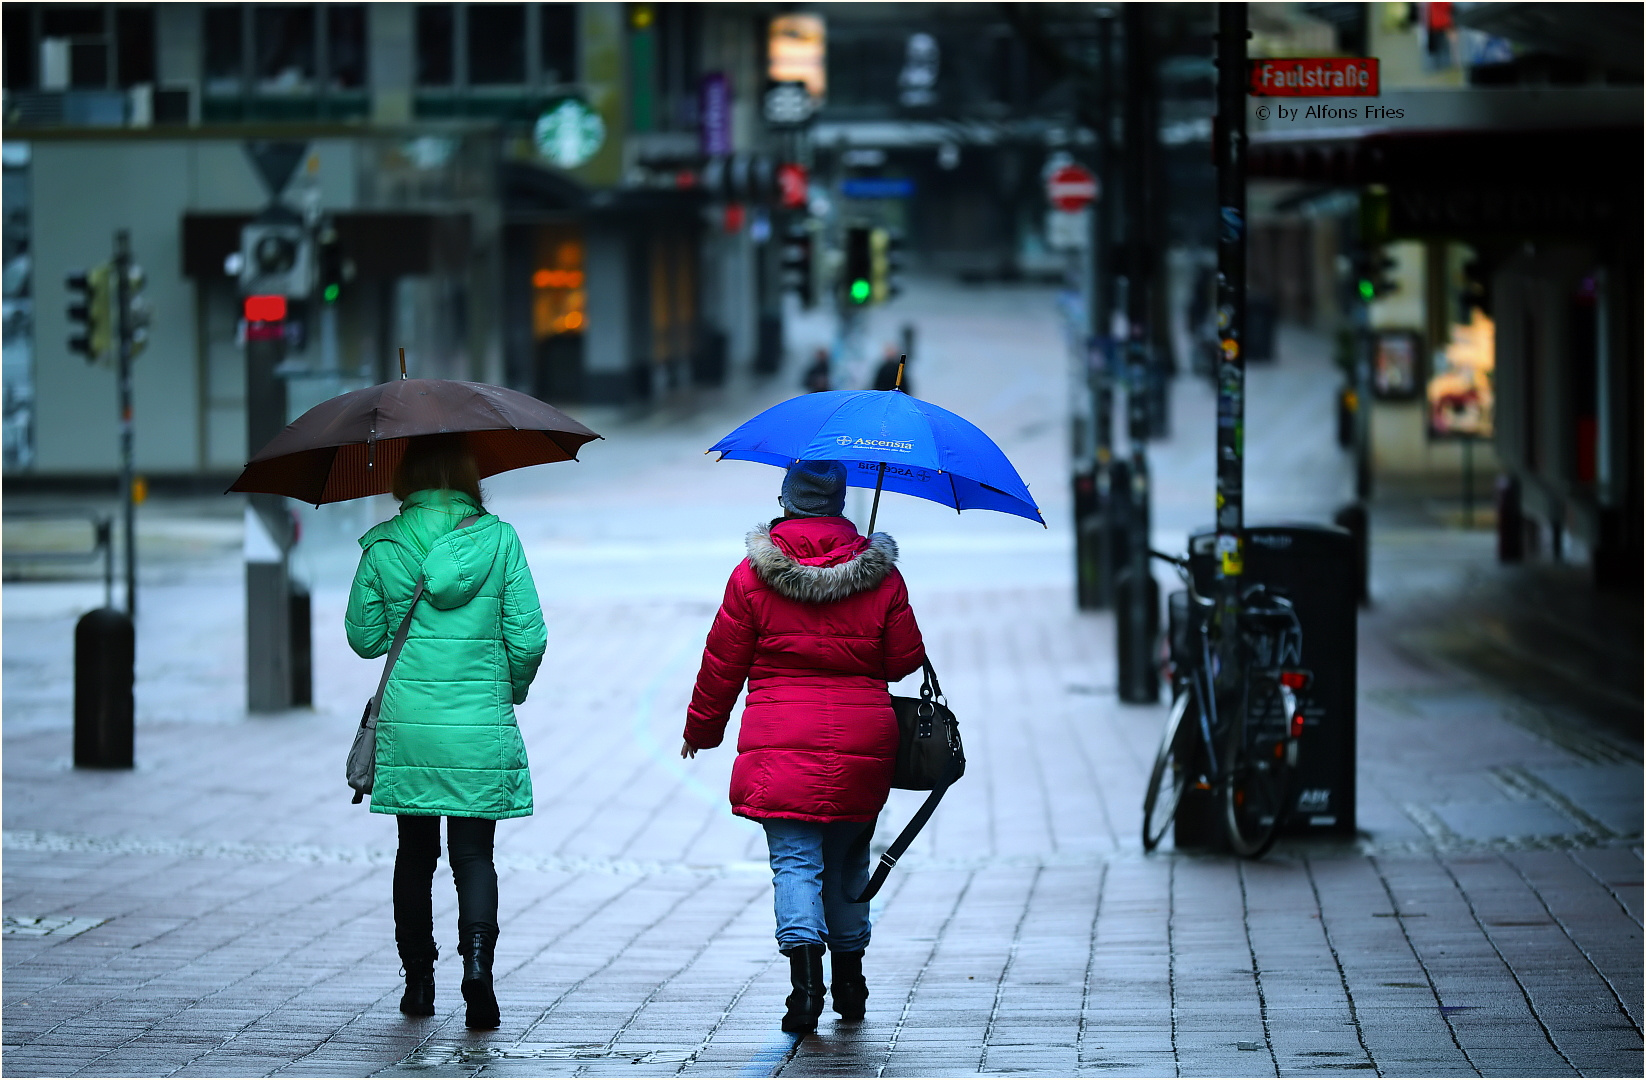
(1237, 738)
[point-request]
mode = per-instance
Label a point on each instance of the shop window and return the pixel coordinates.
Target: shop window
(346, 45)
(558, 294)
(133, 44)
(557, 32)
(224, 60)
(497, 44)
(285, 47)
(436, 30)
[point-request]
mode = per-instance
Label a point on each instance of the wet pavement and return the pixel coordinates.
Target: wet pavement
(223, 910)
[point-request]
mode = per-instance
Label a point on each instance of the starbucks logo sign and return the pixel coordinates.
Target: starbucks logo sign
(569, 134)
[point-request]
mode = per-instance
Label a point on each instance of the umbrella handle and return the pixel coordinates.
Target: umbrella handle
(875, 511)
(901, 360)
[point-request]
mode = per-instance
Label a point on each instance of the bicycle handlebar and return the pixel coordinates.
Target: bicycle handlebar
(1181, 564)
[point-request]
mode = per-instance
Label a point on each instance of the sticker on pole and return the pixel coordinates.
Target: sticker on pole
(1324, 76)
(1071, 188)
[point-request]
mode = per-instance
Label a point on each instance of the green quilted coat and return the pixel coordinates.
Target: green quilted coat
(447, 740)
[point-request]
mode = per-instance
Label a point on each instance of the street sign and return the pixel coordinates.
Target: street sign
(1327, 76)
(877, 187)
(1071, 188)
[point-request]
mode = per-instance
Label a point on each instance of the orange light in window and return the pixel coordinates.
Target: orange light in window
(574, 319)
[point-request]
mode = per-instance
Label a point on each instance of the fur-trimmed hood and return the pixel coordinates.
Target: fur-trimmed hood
(816, 560)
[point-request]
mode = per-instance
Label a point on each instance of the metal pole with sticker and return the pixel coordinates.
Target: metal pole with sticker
(1229, 147)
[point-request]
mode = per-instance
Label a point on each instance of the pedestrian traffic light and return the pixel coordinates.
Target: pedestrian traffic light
(134, 321)
(331, 266)
(798, 276)
(90, 312)
(859, 278)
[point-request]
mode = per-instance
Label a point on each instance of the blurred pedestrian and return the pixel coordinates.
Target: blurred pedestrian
(817, 374)
(817, 621)
(447, 741)
(885, 376)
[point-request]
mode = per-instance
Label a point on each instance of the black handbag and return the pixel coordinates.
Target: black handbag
(930, 757)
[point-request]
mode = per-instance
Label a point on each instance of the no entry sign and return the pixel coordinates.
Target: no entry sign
(1327, 76)
(1071, 188)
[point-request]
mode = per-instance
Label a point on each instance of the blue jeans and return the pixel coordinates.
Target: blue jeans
(811, 880)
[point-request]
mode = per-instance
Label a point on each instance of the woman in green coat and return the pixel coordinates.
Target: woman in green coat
(447, 741)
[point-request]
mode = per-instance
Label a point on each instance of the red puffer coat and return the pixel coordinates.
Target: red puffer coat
(817, 620)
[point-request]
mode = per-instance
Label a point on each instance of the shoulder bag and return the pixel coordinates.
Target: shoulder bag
(361, 767)
(929, 758)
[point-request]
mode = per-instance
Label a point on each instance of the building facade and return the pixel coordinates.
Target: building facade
(517, 190)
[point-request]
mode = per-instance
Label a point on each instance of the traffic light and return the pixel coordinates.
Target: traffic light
(332, 268)
(1375, 276)
(135, 323)
(90, 311)
(276, 257)
(859, 277)
(798, 274)
(891, 283)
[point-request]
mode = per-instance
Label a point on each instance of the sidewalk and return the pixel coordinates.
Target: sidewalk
(222, 910)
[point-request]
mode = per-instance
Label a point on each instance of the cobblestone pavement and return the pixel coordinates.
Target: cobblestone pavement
(222, 910)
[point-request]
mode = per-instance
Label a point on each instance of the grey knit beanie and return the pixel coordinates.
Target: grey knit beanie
(815, 489)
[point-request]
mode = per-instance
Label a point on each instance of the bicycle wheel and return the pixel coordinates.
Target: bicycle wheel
(1171, 770)
(1257, 774)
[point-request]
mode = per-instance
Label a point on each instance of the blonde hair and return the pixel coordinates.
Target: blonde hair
(437, 462)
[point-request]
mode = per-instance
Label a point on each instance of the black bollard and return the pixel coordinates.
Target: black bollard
(105, 654)
(1137, 679)
(1511, 522)
(299, 623)
(1353, 518)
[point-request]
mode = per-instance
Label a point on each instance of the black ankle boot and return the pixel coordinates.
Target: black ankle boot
(477, 979)
(418, 962)
(847, 986)
(806, 1002)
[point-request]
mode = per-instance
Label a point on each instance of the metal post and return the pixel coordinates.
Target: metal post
(1229, 147)
(268, 525)
(1137, 602)
(1094, 550)
(122, 286)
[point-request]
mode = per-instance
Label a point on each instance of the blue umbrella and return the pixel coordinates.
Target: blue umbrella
(887, 440)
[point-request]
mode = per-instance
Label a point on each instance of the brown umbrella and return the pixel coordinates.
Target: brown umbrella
(347, 447)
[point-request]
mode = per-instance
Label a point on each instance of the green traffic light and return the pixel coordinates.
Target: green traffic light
(1367, 292)
(331, 294)
(860, 291)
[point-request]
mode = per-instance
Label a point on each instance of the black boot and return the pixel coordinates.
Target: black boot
(806, 1002)
(418, 962)
(847, 986)
(477, 979)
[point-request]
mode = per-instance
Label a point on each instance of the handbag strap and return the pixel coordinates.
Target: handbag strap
(400, 637)
(889, 857)
(929, 687)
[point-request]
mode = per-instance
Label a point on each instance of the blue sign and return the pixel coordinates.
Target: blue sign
(877, 188)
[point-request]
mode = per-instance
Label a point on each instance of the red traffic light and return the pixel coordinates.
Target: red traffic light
(265, 308)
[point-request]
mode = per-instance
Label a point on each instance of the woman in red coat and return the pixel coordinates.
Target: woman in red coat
(817, 620)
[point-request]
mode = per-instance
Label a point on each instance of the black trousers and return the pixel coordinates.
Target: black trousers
(469, 845)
